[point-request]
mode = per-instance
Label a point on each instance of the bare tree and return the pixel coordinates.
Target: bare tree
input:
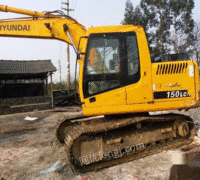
(195, 42)
(179, 42)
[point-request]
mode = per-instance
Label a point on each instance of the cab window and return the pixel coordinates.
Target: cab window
(103, 56)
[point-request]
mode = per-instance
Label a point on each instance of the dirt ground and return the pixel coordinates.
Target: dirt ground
(29, 150)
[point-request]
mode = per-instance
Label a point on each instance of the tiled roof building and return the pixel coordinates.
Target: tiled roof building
(24, 85)
(25, 68)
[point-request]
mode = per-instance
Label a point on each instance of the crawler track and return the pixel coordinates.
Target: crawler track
(78, 133)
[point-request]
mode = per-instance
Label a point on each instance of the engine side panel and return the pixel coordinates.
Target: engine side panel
(174, 81)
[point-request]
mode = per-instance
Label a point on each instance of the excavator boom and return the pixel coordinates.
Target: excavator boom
(42, 25)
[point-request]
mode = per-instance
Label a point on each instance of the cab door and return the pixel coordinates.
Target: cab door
(103, 83)
(138, 74)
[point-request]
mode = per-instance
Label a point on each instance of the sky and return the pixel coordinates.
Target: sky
(87, 12)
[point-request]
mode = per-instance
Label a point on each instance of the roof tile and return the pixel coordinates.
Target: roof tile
(26, 67)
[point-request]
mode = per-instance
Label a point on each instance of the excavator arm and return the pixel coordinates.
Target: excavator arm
(42, 25)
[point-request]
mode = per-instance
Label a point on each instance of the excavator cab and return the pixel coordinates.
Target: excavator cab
(113, 66)
(118, 77)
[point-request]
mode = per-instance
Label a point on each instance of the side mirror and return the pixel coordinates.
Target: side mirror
(79, 53)
(78, 56)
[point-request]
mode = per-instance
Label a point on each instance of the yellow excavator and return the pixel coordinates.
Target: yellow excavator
(118, 87)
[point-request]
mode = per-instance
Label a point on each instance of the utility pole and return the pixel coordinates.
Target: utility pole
(68, 51)
(60, 70)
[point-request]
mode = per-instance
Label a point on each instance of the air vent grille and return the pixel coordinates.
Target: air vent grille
(173, 68)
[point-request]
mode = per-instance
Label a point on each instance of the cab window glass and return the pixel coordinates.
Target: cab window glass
(100, 86)
(111, 62)
(103, 56)
(132, 54)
